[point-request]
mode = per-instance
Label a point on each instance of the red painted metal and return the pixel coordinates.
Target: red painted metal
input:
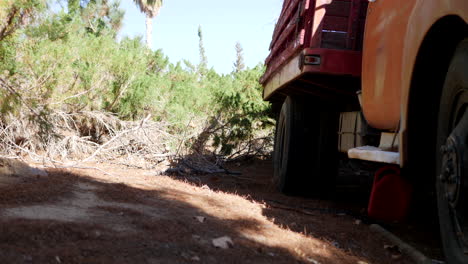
(335, 62)
(286, 17)
(391, 195)
(332, 29)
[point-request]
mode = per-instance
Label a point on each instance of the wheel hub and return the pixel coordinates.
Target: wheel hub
(450, 172)
(454, 178)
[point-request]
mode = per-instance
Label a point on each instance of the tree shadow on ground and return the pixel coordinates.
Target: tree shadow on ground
(340, 219)
(73, 218)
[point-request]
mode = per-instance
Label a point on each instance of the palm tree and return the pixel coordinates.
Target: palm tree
(151, 10)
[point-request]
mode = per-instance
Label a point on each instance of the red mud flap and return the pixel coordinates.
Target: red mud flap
(391, 195)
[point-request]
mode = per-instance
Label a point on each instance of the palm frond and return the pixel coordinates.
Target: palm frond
(149, 7)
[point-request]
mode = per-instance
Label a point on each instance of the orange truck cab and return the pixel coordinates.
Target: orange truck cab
(381, 85)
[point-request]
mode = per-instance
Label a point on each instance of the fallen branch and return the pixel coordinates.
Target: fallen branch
(294, 209)
(116, 137)
(410, 251)
(209, 168)
(303, 210)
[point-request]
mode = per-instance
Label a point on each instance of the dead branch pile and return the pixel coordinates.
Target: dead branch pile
(93, 136)
(258, 144)
(86, 136)
(198, 164)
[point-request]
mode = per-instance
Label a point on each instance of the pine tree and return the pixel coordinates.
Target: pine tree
(203, 59)
(239, 64)
(99, 14)
(74, 6)
(15, 13)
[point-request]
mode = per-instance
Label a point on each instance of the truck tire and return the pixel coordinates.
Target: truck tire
(452, 159)
(305, 148)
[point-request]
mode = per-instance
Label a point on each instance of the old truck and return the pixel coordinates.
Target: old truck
(381, 85)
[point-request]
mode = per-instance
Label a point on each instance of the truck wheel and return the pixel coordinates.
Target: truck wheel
(305, 148)
(452, 159)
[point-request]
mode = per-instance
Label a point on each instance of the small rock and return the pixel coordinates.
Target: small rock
(271, 254)
(195, 258)
(200, 219)
(224, 242)
(335, 244)
(58, 259)
(394, 251)
(311, 260)
(197, 237)
(39, 172)
(358, 222)
(391, 247)
(362, 262)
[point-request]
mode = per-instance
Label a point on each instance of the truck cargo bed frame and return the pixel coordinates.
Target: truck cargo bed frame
(315, 44)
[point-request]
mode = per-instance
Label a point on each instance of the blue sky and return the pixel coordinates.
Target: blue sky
(251, 22)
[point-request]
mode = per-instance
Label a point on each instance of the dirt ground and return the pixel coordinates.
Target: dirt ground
(138, 216)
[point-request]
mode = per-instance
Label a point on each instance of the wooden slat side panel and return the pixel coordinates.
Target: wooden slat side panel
(356, 28)
(288, 17)
(343, 21)
(363, 9)
(279, 23)
(317, 23)
(282, 53)
(305, 7)
(280, 61)
(282, 42)
(308, 20)
(332, 25)
(360, 34)
(335, 23)
(338, 8)
(289, 33)
(361, 25)
(334, 40)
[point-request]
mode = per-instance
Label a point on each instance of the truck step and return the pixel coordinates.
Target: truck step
(375, 154)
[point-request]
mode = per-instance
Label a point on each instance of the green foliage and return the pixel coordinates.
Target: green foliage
(14, 13)
(7, 55)
(243, 111)
(70, 61)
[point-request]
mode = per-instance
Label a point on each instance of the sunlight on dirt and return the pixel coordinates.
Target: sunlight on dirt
(130, 214)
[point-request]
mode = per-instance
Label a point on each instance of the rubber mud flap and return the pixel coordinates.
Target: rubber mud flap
(390, 196)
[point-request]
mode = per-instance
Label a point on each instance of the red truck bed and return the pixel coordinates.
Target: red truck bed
(317, 36)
